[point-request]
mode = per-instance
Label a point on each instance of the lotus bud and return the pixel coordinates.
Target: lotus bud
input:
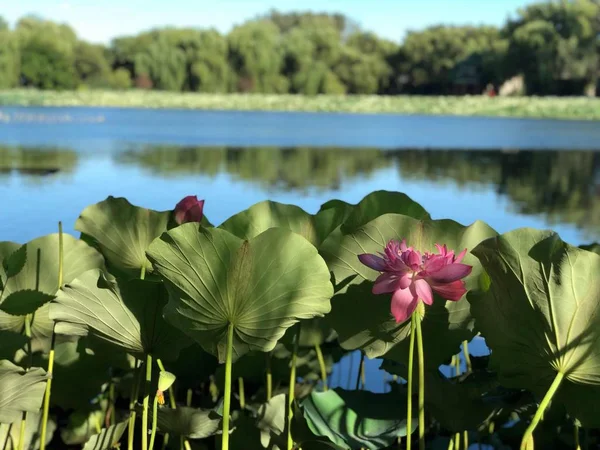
(190, 209)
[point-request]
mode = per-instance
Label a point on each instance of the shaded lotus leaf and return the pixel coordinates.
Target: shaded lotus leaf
(262, 286)
(313, 332)
(356, 419)
(379, 203)
(271, 422)
(20, 391)
(82, 425)
(123, 232)
(9, 433)
(268, 214)
(244, 434)
(595, 247)
(194, 365)
(36, 281)
(193, 423)
(541, 316)
(10, 343)
(107, 438)
(457, 406)
(364, 321)
(126, 313)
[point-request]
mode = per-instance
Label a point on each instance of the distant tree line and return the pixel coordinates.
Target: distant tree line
(553, 47)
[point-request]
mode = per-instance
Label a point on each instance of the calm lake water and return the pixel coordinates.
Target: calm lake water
(508, 172)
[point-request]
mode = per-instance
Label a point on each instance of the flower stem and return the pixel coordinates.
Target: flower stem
(292, 388)
(466, 439)
(227, 399)
(135, 390)
(146, 401)
(411, 354)
(241, 392)
(46, 411)
(576, 435)
(269, 376)
(143, 272)
(528, 436)
(188, 397)
(456, 441)
(421, 356)
(467, 356)
(360, 370)
(22, 432)
(154, 421)
(322, 366)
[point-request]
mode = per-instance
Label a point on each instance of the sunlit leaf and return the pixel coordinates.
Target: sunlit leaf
(126, 313)
(262, 286)
(20, 391)
(541, 316)
(82, 425)
(193, 423)
(10, 433)
(107, 438)
(123, 232)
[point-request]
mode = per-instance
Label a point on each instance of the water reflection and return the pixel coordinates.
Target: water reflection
(560, 187)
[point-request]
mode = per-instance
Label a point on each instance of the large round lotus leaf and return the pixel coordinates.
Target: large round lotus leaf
(123, 232)
(357, 419)
(268, 214)
(379, 203)
(262, 286)
(541, 316)
(20, 391)
(595, 247)
(364, 321)
(313, 332)
(126, 313)
(9, 435)
(36, 281)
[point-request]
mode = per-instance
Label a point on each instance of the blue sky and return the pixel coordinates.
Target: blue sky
(101, 20)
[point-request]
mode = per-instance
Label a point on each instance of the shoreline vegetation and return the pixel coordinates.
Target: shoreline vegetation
(569, 108)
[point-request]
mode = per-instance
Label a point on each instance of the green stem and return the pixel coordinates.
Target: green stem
(188, 397)
(456, 361)
(576, 435)
(528, 436)
(145, 402)
(22, 432)
(411, 354)
(466, 439)
(421, 356)
(154, 421)
(227, 399)
(269, 377)
(143, 272)
(241, 392)
(292, 388)
(456, 441)
(322, 366)
(8, 437)
(46, 411)
(467, 356)
(135, 390)
(360, 370)
(451, 444)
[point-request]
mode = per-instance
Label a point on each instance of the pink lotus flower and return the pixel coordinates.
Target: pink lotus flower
(189, 210)
(413, 277)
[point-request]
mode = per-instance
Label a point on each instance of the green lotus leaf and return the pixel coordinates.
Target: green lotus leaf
(10, 343)
(10, 433)
(39, 272)
(107, 438)
(123, 232)
(379, 203)
(357, 419)
(126, 313)
(41, 327)
(82, 425)
(193, 423)
(20, 391)
(363, 320)
(541, 316)
(595, 247)
(268, 214)
(313, 332)
(261, 286)
(14, 263)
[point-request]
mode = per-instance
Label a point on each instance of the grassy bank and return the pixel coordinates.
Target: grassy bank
(543, 107)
